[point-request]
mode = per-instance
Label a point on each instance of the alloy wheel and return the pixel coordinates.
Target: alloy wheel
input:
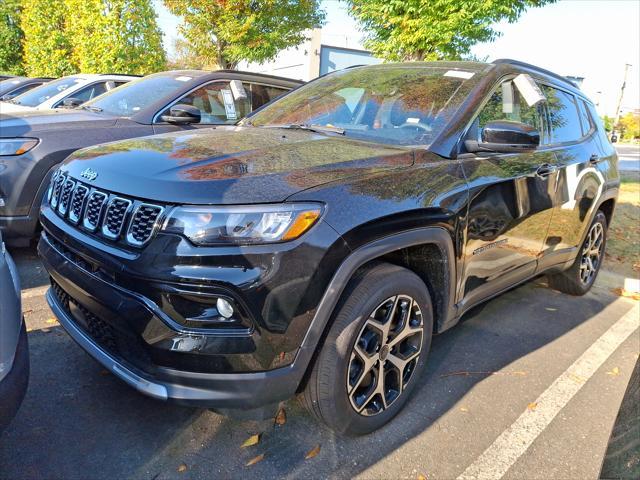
(385, 354)
(591, 253)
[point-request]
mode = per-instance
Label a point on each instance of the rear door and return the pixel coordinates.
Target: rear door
(576, 145)
(510, 203)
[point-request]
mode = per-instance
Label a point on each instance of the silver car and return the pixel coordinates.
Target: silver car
(14, 350)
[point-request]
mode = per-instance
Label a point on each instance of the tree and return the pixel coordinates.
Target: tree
(47, 49)
(224, 32)
(608, 123)
(629, 126)
(400, 30)
(115, 36)
(12, 37)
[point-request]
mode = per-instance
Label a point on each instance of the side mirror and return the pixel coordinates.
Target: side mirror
(72, 102)
(503, 136)
(182, 113)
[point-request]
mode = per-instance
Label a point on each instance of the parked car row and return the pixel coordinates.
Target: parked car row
(316, 246)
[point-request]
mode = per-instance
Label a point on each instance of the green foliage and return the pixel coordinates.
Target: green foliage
(91, 36)
(115, 36)
(400, 30)
(629, 126)
(608, 123)
(47, 49)
(223, 32)
(11, 37)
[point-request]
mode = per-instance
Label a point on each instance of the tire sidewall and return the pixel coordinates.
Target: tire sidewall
(585, 287)
(348, 323)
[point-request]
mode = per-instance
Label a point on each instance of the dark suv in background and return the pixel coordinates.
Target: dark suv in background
(318, 246)
(32, 144)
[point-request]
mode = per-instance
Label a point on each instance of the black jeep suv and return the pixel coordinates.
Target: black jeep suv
(317, 246)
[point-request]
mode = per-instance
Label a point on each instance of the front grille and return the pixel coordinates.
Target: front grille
(111, 216)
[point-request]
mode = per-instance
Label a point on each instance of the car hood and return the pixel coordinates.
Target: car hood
(25, 122)
(230, 165)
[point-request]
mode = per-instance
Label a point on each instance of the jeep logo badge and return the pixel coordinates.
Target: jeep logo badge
(89, 174)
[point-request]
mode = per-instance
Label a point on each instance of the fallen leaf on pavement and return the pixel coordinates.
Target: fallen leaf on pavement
(464, 409)
(313, 452)
(550, 309)
(421, 477)
(182, 468)
(252, 440)
(532, 406)
(51, 321)
(255, 460)
(621, 292)
(614, 372)
(281, 417)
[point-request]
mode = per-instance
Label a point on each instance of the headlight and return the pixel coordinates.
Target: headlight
(243, 224)
(16, 146)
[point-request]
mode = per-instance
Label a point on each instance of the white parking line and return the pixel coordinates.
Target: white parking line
(515, 440)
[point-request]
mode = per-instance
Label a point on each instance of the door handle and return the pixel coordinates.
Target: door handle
(595, 158)
(545, 170)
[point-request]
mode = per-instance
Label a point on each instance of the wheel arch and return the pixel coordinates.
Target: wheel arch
(406, 249)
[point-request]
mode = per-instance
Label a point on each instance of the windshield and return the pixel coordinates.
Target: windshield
(129, 99)
(38, 95)
(402, 105)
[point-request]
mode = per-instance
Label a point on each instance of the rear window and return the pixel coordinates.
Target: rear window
(563, 116)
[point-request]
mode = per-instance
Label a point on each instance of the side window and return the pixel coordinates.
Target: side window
(563, 115)
(87, 93)
(24, 88)
(585, 118)
(218, 103)
(507, 103)
(261, 94)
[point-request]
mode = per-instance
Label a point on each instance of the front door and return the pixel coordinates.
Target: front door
(510, 202)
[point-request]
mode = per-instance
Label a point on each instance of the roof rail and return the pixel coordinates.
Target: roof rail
(533, 67)
(123, 74)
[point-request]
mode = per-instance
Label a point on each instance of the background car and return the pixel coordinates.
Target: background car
(157, 103)
(12, 87)
(14, 350)
(80, 88)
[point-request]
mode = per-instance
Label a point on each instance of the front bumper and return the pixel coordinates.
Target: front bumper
(77, 293)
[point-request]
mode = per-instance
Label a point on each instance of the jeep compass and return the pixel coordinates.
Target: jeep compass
(317, 247)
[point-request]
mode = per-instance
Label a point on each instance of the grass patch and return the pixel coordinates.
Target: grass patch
(623, 247)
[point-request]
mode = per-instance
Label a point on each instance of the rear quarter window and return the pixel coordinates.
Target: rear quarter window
(563, 116)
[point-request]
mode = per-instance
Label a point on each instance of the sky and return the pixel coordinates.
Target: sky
(586, 38)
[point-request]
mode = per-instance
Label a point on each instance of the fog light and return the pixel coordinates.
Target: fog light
(224, 308)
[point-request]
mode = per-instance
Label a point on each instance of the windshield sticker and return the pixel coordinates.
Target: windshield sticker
(459, 74)
(183, 78)
(229, 104)
(507, 97)
(413, 120)
(529, 89)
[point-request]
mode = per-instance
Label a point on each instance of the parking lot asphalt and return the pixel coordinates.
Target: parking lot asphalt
(542, 371)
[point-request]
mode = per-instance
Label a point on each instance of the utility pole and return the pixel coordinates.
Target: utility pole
(624, 84)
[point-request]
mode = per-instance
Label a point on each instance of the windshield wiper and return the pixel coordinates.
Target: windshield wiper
(91, 108)
(312, 127)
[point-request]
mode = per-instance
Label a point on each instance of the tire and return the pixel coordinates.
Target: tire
(572, 281)
(383, 291)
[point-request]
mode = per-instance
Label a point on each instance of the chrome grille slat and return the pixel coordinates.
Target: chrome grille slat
(93, 210)
(77, 203)
(112, 216)
(65, 196)
(144, 223)
(115, 216)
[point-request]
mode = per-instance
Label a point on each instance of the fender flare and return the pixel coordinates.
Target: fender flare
(355, 260)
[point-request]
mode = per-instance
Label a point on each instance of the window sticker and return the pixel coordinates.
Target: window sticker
(413, 120)
(229, 104)
(459, 74)
(529, 89)
(183, 78)
(507, 97)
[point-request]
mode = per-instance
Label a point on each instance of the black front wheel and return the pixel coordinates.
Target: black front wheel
(374, 352)
(579, 278)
